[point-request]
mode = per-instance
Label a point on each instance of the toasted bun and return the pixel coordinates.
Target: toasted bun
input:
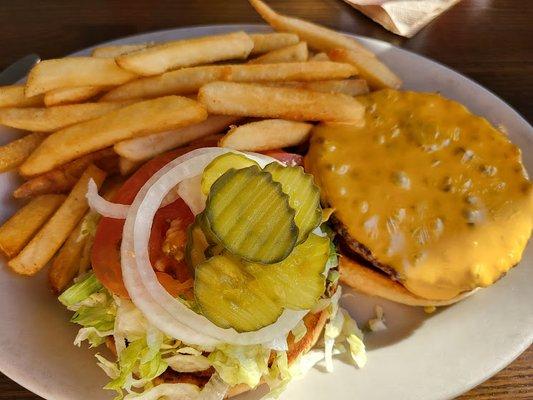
(373, 283)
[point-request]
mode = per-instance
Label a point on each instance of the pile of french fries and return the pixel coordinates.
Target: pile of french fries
(102, 116)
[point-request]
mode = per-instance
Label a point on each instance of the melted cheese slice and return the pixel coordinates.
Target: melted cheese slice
(434, 192)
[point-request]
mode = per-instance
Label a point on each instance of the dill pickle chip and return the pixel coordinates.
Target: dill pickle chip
(216, 168)
(304, 196)
(230, 297)
(249, 215)
(296, 282)
(197, 245)
(248, 296)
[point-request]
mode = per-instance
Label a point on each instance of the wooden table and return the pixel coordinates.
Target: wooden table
(489, 41)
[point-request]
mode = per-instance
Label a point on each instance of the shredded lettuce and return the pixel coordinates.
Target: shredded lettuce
(354, 337)
(89, 225)
(299, 331)
(80, 291)
(240, 364)
(333, 258)
(94, 309)
(188, 363)
(377, 324)
(138, 364)
(92, 335)
(342, 329)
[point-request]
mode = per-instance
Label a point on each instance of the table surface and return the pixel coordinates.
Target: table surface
(487, 40)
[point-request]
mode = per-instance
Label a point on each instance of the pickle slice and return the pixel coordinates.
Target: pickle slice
(297, 282)
(197, 245)
(304, 196)
(230, 297)
(216, 168)
(249, 296)
(250, 216)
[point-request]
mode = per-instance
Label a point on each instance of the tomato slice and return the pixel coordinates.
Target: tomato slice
(290, 159)
(105, 257)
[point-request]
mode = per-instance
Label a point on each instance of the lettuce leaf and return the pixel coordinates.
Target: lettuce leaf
(94, 308)
(240, 364)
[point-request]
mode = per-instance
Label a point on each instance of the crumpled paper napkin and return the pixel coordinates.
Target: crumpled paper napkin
(403, 17)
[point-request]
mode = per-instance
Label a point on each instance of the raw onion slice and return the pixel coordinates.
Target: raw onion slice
(102, 206)
(160, 308)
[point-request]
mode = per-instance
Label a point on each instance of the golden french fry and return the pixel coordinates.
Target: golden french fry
(17, 231)
(377, 74)
(74, 72)
(127, 166)
(118, 50)
(14, 153)
(146, 147)
(319, 57)
(268, 134)
(243, 99)
(13, 96)
(180, 82)
(54, 118)
(316, 36)
(351, 87)
(66, 263)
(295, 53)
(63, 178)
(84, 262)
(53, 234)
(160, 58)
(265, 42)
(138, 119)
(189, 80)
(63, 96)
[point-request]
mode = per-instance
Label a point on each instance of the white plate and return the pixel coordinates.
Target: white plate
(418, 357)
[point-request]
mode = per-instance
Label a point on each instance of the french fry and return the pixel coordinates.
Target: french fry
(248, 100)
(189, 80)
(119, 50)
(53, 234)
(316, 36)
(17, 231)
(14, 153)
(160, 58)
(351, 87)
(63, 178)
(146, 147)
(78, 94)
(13, 96)
(67, 262)
(319, 57)
(54, 118)
(74, 72)
(268, 134)
(84, 262)
(127, 166)
(377, 74)
(135, 120)
(294, 53)
(265, 42)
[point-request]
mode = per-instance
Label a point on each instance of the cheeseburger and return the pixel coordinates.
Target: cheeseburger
(430, 201)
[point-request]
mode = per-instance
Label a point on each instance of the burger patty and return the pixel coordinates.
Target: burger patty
(360, 249)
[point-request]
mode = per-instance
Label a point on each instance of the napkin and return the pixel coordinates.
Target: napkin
(403, 17)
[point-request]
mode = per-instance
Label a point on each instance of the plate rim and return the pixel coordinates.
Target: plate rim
(260, 27)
